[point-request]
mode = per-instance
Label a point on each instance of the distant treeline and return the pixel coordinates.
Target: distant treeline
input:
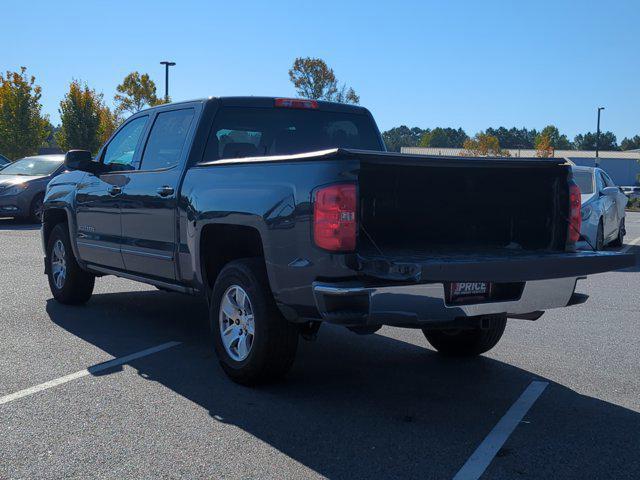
(507, 138)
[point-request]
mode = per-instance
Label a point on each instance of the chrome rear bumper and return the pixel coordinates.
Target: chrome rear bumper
(354, 305)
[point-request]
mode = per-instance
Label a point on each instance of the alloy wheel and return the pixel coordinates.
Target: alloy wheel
(237, 326)
(58, 264)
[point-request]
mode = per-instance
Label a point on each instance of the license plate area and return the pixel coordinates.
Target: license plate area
(463, 293)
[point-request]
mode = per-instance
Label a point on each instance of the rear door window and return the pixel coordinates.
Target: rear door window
(167, 139)
(246, 132)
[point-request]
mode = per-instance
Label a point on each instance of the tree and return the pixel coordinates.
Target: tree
(514, 137)
(80, 111)
(483, 145)
(313, 79)
(632, 143)
(587, 141)
(543, 146)
(554, 137)
(50, 141)
(109, 121)
(23, 129)
(443, 138)
(135, 93)
(402, 136)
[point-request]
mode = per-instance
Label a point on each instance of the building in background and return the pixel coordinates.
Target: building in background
(622, 167)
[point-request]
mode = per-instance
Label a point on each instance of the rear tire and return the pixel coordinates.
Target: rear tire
(69, 284)
(619, 241)
(465, 343)
(259, 344)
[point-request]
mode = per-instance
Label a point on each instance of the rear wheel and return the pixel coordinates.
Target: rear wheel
(69, 284)
(619, 241)
(464, 343)
(254, 342)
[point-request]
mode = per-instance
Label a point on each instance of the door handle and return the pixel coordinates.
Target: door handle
(165, 191)
(115, 190)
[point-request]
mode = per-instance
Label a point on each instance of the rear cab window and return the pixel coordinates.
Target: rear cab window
(239, 132)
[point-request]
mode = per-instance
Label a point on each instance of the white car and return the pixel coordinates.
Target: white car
(603, 205)
(631, 192)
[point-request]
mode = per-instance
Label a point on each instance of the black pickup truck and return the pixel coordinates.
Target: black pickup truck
(285, 213)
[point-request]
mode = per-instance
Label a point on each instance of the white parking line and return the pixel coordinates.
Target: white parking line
(83, 373)
(484, 454)
(633, 242)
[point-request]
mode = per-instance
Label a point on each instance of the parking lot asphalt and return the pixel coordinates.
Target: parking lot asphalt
(377, 406)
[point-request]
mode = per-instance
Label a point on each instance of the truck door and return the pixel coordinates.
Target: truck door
(99, 230)
(150, 197)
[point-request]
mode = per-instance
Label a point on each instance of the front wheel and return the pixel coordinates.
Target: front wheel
(254, 342)
(36, 209)
(619, 241)
(600, 236)
(69, 284)
(465, 343)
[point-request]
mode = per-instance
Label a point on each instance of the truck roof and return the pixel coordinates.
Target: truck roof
(267, 102)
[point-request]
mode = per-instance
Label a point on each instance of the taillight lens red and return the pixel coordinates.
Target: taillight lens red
(295, 103)
(334, 217)
(575, 218)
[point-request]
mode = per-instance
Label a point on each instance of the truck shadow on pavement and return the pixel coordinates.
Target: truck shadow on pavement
(364, 407)
(17, 225)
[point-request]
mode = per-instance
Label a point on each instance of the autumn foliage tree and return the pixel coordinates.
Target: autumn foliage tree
(483, 145)
(313, 79)
(552, 135)
(544, 149)
(23, 128)
(109, 121)
(135, 93)
(80, 118)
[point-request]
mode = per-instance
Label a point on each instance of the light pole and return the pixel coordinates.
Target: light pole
(598, 137)
(166, 80)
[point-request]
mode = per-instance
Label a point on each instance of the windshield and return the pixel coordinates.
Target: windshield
(31, 167)
(584, 179)
(248, 132)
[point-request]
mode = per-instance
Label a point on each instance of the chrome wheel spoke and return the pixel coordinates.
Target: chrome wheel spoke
(228, 308)
(243, 348)
(241, 298)
(250, 326)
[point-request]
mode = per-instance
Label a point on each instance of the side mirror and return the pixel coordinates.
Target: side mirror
(610, 191)
(80, 160)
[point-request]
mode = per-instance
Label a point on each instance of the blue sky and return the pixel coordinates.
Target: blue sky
(472, 64)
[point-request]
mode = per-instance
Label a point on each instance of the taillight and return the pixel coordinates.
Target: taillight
(575, 218)
(334, 217)
(295, 103)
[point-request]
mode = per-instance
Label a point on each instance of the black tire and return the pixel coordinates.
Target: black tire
(35, 210)
(619, 241)
(600, 236)
(275, 341)
(465, 343)
(77, 285)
